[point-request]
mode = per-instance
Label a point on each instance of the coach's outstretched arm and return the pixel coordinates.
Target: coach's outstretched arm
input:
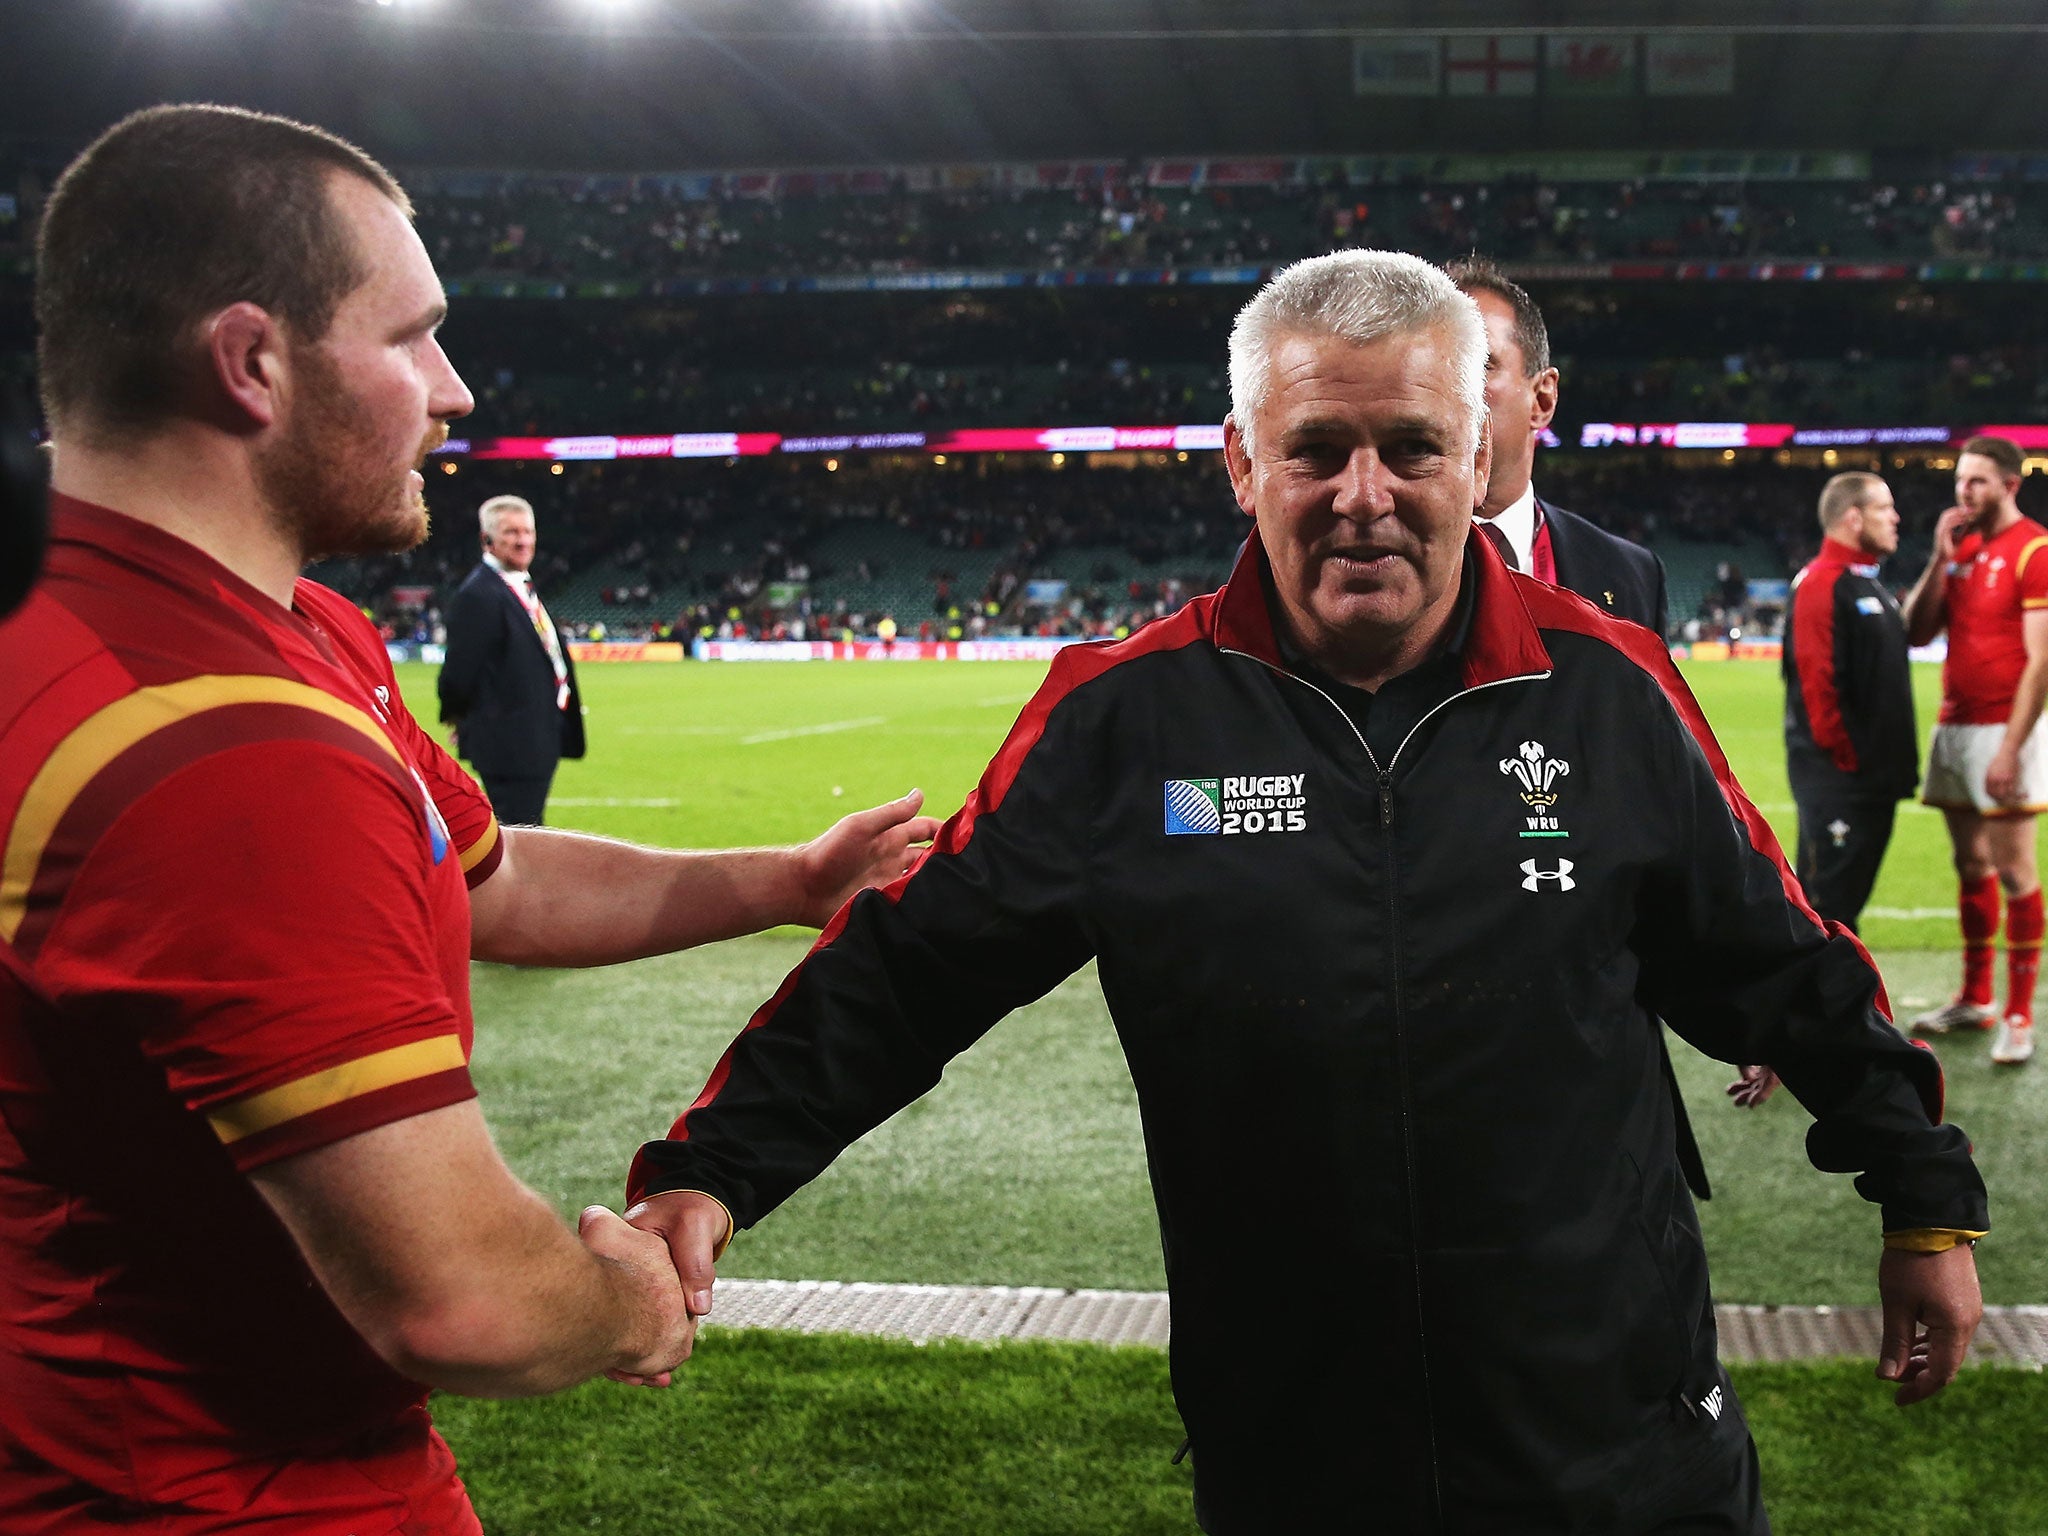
(566, 898)
(461, 1277)
(902, 980)
(1737, 963)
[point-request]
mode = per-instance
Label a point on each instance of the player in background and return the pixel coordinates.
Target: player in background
(1851, 748)
(1987, 768)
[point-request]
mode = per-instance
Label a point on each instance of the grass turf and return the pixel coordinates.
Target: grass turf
(774, 1435)
(1025, 1166)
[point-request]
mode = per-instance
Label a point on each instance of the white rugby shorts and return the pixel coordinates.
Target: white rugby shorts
(1958, 758)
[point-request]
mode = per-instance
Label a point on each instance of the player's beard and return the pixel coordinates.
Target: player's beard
(326, 480)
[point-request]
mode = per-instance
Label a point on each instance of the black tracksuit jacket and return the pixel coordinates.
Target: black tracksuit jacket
(1432, 1264)
(1849, 727)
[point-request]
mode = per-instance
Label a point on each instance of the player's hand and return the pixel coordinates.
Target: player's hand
(664, 1327)
(1949, 529)
(690, 1227)
(1932, 1306)
(2002, 777)
(1754, 1086)
(455, 741)
(867, 848)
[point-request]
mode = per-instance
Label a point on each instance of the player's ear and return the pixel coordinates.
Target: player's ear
(247, 362)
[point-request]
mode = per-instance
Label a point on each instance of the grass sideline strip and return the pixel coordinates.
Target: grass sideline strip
(771, 1434)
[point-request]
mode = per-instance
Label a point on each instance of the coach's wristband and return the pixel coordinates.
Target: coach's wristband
(1930, 1239)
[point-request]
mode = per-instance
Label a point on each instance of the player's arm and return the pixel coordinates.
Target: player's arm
(1926, 606)
(2002, 776)
(565, 898)
(462, 1278)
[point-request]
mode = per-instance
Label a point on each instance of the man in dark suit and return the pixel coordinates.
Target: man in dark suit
(1533, 535)
(508, 685)
(1548, 542)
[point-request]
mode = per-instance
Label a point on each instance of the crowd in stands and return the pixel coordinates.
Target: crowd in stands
(791, 550)
(649, 231)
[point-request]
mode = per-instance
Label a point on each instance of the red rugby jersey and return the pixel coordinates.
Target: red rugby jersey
(232, 880)
(1990, 584)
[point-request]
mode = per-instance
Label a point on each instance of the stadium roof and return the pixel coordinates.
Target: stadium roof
(705, 84)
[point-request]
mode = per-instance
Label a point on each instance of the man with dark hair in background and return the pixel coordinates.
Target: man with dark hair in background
(251, 1210)
(1532, 534)
(508, 688)
(1986, 583)
(1851, 748)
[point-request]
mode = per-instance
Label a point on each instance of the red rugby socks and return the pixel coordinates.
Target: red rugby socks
(2022, 952)
(1979, 904)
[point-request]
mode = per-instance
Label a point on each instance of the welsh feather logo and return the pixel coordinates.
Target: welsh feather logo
(1272, 802)
(1193, 807)
(1538, 774)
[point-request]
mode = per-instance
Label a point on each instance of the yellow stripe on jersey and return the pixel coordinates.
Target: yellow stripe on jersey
(479, 850)
(337, 1085)
(2020, 568)
(105, 735)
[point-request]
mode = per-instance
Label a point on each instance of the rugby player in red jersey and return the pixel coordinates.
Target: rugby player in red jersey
(1987, 769)
(249, 1211)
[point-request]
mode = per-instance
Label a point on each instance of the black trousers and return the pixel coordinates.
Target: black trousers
(1842, 839)
(519, 801)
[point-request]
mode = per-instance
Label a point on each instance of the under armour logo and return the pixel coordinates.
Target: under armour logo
(1535, 877)
(1838, 829)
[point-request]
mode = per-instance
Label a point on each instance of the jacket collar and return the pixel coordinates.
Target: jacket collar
(1502, 642)
(1835, 552)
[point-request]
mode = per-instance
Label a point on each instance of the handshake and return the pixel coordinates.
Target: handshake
(660, 1256)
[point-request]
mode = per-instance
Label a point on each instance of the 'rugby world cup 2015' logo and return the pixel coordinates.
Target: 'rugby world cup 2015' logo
(1193, 807)
(1237, 804)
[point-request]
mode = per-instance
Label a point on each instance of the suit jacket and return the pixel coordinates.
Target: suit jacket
(1609, 572)
(498, 687)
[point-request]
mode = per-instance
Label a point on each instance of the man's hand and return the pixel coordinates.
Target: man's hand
(691, 1227)
(455, 741)
(653, 1293)
(867, 848)
(1754, 1086)
(1949, 529)
(2002, 777)
(1932, 1306)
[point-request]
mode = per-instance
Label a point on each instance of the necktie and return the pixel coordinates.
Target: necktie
(1500, 542)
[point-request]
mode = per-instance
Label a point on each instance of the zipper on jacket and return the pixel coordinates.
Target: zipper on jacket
(1384, 777)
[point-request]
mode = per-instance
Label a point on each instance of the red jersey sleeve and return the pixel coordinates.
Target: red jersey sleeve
(2032, 573)
(265, 913)
(472, 827)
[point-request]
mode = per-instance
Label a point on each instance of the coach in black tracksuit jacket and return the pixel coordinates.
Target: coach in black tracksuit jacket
(1851, 744)
(1384, 1004)
(1385, 855)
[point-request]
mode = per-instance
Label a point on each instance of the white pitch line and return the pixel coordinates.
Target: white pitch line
(826, 729)
(607, 800)
(677, 730)
(1915, 913)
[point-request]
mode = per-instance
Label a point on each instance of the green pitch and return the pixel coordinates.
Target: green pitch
(1025, 1167)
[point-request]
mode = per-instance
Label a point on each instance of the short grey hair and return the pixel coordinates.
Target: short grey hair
(1359, 297)
(489, 514)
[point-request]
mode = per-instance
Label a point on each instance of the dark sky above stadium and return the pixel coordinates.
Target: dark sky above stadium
(673, 84)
